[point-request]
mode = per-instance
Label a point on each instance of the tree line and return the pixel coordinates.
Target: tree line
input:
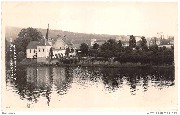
(133, 53)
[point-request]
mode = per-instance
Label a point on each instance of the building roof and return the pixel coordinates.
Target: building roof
(68, 42)
(65, 41)
(32, 45)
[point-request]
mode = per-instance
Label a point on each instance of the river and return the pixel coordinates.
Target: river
(91, 88)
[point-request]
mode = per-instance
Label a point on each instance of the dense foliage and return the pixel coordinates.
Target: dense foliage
(132, 42)
(141, 53)
(21, 42)
(84, 49)
(25, 36)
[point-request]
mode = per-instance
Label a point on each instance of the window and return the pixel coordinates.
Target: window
(60, 47)
(43, 50)
(30, 50)
(39, 49)
(34, 51)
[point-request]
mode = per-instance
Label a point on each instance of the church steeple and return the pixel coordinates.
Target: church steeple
(47, 33)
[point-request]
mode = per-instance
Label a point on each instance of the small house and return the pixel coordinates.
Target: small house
(31, 50)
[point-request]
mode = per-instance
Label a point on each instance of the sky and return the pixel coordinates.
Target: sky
(115, 18)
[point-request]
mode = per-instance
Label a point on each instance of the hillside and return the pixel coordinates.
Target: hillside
(77, 38)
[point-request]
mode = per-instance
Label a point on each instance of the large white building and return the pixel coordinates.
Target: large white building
(38, 50)
(43, 49)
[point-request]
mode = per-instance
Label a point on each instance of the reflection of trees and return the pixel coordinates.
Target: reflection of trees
(162, 77)
(62, 78)
(33, 83)
(132, 83)
(113, 78)
(20, 82)
(86, 76)
(145, 82)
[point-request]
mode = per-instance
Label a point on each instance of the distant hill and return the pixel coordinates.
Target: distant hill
(11, 32)
(77, 38)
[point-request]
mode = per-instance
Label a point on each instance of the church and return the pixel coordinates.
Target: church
(40, 50)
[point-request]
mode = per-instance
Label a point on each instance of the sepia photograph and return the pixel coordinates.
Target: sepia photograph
(89, 55)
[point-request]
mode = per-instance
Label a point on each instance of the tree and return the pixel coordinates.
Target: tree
(84, 49)
(109, 45)
(143, 43)
(51, 53)
(95, 46)
(153, 48)
(128, 49)
(67, 51)
(132, 42)
(33, 33)
(20, 56)
(25, 36)
(137, 47)
(119, 44)
(109, 48)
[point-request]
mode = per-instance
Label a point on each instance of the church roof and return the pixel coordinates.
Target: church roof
(32, 45)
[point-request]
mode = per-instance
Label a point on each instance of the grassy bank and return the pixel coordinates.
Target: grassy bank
(124, 65)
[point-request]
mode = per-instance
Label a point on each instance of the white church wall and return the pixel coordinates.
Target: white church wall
(30, 53)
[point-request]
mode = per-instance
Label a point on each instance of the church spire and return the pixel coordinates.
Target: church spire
(47, 33)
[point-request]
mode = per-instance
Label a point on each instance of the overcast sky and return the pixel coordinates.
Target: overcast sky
(95, 17)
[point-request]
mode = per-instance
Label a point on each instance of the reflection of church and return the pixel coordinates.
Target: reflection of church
(46, 80)
(40, 76)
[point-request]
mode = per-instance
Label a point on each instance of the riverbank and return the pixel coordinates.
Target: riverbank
(115, 65)
(107, 65)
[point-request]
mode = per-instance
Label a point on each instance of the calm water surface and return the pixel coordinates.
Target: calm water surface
(88, 87)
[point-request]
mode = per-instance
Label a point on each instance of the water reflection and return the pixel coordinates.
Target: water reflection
(34, 83)
(62, 79)
(133, 77)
